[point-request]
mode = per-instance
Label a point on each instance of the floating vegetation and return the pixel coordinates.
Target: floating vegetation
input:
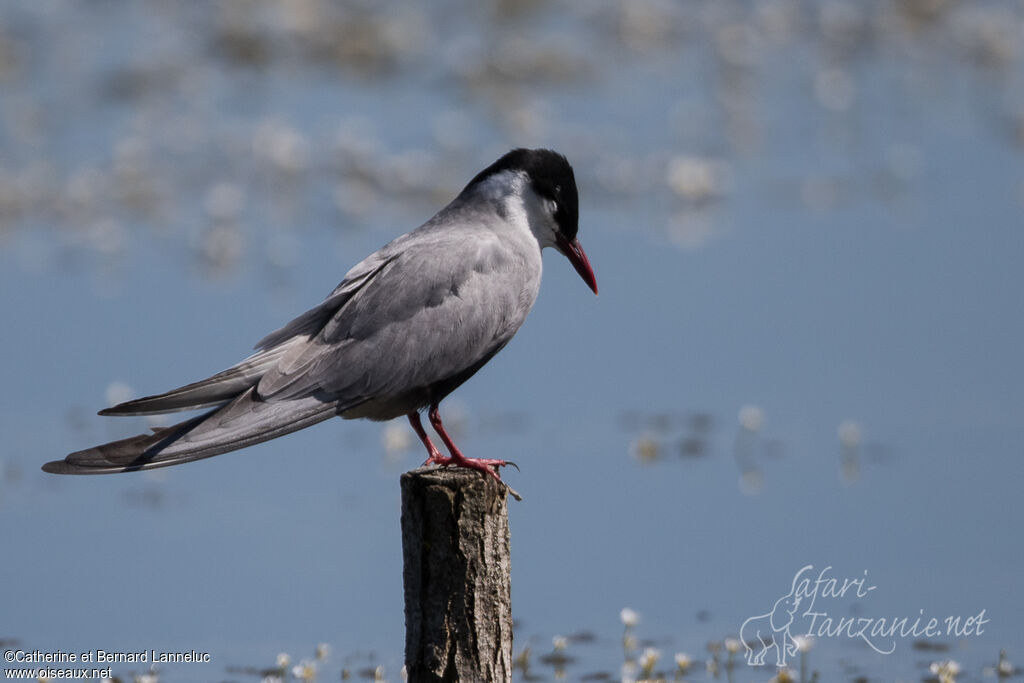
(658, 436)
(167, 123)
(944, 671)
(572, 657)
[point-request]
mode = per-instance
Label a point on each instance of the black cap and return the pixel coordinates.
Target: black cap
(550, 176)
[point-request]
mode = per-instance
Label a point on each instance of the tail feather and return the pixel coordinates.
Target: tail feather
(247, 420)
(212, 391)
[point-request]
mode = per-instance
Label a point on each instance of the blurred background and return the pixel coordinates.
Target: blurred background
(806, 224)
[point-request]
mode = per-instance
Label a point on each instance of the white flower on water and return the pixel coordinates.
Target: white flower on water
(751, 418)
(947, 666)
(323, 650)
(683, 661)
(396, 438)
(629, 617)
(803, 643)
(945, 670)
(732, 645)
(1004, 669)
(629, 672)
(560, 643)
(697, 179)
(783, 676)
(849, 434)
(283, 660)
(648, 658)
(304, 671)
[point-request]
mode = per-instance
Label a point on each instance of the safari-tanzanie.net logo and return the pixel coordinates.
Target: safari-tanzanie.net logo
(804, 612)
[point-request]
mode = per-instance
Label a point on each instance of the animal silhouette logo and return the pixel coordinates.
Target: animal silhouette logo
(815, 596)
(771, 630)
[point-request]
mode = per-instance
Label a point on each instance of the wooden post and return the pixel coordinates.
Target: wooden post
(458, 608)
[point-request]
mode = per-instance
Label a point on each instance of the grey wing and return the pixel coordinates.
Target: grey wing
(441, 306)
(313, 320)
(241, 419)
(244, 421)
(291, 338)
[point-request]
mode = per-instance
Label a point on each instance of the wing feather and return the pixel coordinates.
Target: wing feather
(282, 347)
(243, 422)
(439, 306)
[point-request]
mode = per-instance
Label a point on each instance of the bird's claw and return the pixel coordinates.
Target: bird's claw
(482, 464)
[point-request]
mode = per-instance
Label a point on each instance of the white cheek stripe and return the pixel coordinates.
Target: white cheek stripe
(524, 210)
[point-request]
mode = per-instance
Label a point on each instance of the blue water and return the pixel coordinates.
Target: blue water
(854, 259)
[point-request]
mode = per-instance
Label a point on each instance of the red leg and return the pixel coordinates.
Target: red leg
(435, 455)
(457, 458)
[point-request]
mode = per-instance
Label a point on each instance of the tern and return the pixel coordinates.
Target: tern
(406, 326)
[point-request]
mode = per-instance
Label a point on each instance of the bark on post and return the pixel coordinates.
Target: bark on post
(458, 609)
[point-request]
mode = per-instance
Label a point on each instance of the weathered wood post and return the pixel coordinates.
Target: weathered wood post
(458, 608)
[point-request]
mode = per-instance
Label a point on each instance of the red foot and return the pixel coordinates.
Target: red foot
(457, 459)
(482, 464)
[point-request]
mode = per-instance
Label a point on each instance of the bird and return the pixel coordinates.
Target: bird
(407, 325)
